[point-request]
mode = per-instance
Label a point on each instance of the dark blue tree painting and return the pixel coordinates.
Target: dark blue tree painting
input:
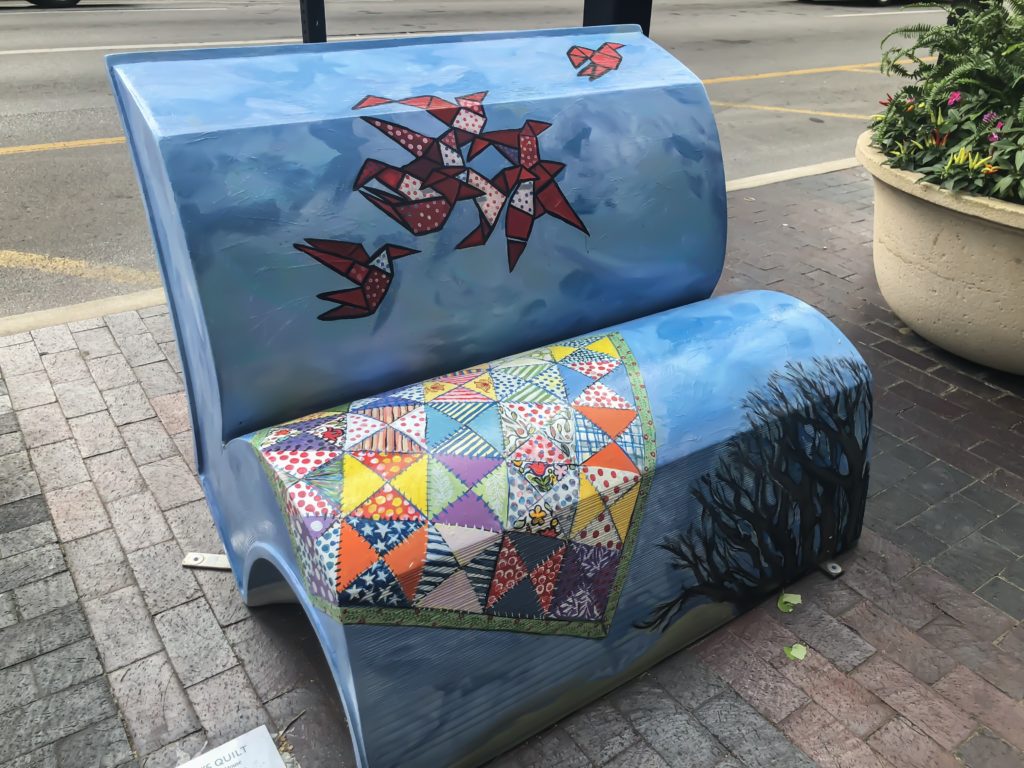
(787, 493)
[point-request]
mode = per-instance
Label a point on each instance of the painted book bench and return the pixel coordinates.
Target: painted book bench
(616, 465)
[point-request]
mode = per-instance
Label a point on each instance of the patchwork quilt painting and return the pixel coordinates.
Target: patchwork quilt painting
(505, 496)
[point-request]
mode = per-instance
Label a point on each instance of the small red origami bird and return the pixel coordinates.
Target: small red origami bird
(372, 275)
(599, 62)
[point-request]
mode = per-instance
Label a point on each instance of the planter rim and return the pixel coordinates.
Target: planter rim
(987, 208)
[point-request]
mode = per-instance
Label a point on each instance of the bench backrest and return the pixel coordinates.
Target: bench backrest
(387, 186)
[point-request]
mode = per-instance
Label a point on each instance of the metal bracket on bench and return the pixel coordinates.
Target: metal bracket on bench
(831, 568)
(206, 561)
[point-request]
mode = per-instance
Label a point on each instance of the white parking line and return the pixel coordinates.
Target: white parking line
(65, 11)
(883, 13)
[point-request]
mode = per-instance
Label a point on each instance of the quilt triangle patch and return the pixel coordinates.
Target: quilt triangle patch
(387, 504)
(439, 565)
(520, 601)
(469, 469)
(605, 346)
(466, 543)
(455, 593)
(612, 421)
(440, 426)
(622, 509)
(443, 487)
(534, 548)
(412, 483)
(612, 457)
(463, 395)
(472, 511)
(360, 483)
(355, 555)
(407, 559)
(545, 576)
(509, 570)
(480, 569)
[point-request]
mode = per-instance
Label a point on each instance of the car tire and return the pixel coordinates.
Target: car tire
(54, 3)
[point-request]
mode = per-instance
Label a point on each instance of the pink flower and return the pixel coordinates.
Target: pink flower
(954, 98)
(993, 137)
(989, 117)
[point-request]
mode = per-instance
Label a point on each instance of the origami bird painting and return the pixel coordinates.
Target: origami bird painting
(597, 63)
(372, 275)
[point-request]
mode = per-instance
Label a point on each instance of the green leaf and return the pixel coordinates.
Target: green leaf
(795, 652)
(787, 602)
(1018, 159)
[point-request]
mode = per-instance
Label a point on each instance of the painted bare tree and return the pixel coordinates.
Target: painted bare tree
(788, 492)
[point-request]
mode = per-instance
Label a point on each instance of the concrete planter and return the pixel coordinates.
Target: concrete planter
(950, 265)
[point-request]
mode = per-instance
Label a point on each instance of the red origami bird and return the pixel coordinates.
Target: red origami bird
(599, 62)
(372, 275)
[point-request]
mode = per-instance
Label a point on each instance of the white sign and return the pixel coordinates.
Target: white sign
(254, 749)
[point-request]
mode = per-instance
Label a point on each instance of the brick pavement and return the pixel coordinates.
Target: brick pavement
(113, 655)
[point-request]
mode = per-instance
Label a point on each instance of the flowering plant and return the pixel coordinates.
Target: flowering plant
(959, 122)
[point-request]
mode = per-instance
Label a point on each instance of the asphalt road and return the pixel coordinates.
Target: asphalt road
(72, 226)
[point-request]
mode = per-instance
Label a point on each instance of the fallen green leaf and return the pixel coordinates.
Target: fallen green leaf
(788, 602)
(796, 651)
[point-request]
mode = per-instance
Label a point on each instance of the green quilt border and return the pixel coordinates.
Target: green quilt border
(447, 619)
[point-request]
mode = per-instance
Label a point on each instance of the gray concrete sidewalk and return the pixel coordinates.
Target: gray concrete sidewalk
(112, 654)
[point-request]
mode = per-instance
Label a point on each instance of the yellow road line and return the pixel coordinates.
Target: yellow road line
(789, 73)
(56, 265)
(791, 110)
(61, 145)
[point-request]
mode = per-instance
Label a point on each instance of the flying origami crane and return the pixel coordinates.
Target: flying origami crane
(529, 183)
(372, 275)
(597, 63)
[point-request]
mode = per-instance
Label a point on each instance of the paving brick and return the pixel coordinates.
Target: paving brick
(265, 644)
(26, 567)
(914, 700)
(77, 511)
(760, 684)
(43, 425)
(138, 521)
(690, 680)
(161, 577)
(907, 747)
(58, 465)
(553, 747)
(18, 359)
(8, 420)
(29, 390)
(194, 641)
(906, 648)
(1003, 670)
(193, 528)
(227, 705)
(1005, 595)
(102, 745)
(161, 327)
(54, 717)
(125, 324)
(84, 325)
(34, 637)
(887, 471)
(45, 595)
(187, 449)
(115, 475)
(111, 372)
(988, 496)
(17, 687)
(12, 339)
(1007, 530)
(173, 412)
(22, 513)
(897, 602)
(832, 639)
(79, 397)
(25, 539)
(97, 564)
(857, 708)
(953, 518)
(44, 757)
(55, 338)
(171, 482)
(638, 756)
(127, 404)
(973, 561)
(315, 733)
(155, 707)
(600, 731)
(8, 611)
(222, 594)
(122, 627)
(675, 734)
(984, 702)
(885, 557)
(67, 666)
(140, 349)
(18, 480)
(11, 442)
(745, 733)
(176, 753)
(986, 751)
(170, 349)
(917, 542)
(1014, 573)
(148, 441)
(96, 433)
(937, 481)
(65, 366)
(97, 342)
(978, 616)
(827, 742)
(159, 379)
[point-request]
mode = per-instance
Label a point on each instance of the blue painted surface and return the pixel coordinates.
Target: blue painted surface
(264, 155)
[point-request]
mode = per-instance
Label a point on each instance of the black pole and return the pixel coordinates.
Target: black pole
(314, 21)
(597, 12)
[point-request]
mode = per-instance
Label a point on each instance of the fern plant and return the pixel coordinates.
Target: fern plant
(959, 121)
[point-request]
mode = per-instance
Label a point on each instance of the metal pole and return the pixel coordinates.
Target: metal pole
(314, 21)
(597, 12)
